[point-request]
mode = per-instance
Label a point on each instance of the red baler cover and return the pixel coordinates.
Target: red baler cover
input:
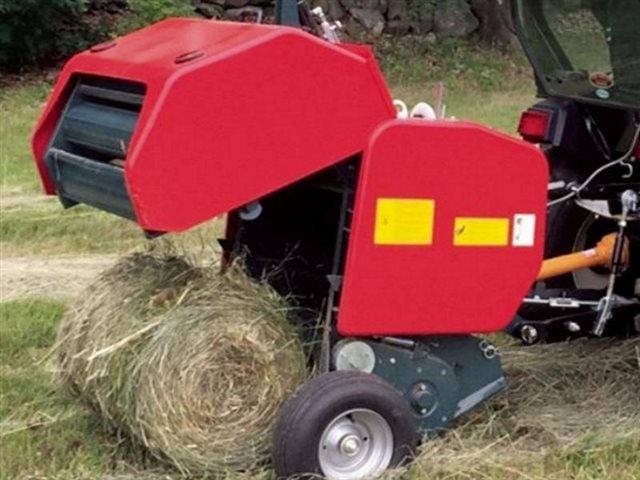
(257, 108)
(449, 238)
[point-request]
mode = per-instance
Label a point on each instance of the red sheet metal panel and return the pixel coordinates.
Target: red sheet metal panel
(448, 231)
(259, 108)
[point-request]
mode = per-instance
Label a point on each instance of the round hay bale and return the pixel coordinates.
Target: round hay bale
(113, 313)
(196, 378)
(211, 379)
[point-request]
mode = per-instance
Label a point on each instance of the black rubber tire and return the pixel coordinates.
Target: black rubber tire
(305, 416)
(563, 224)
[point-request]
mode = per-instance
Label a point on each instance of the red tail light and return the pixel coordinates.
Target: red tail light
(535, 125)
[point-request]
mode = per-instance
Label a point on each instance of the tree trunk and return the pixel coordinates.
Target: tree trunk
(398, 16)
(495, 20)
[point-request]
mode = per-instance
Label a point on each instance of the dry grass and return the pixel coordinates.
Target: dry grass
(39, 276)
(567, 405)
(192, 364)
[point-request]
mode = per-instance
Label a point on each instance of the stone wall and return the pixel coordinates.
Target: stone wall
(442, 18)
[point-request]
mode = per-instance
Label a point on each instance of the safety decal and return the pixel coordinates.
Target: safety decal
(524, 230)
(404, 221)
(481, 232)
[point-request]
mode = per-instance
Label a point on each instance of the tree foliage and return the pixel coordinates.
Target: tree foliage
(145, 12)
(41, 32)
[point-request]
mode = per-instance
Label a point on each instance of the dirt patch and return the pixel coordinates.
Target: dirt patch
(10, 202)
(53, 277)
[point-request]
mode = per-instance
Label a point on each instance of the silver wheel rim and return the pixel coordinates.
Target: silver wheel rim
(356, 445)
(586, 277)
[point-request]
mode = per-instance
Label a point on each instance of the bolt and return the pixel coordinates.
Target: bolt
(529, 334)
(573, 327)
(350, 445)
(443, 372)
(392, 361)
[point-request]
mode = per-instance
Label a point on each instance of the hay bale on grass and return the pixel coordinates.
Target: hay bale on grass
(209, 404)
(117, 306)
(197, 377)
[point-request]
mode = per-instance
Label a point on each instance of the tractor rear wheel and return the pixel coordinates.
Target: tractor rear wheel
(344, 426)
(570, 229)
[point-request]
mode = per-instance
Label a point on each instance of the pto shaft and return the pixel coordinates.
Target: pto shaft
(601, 255)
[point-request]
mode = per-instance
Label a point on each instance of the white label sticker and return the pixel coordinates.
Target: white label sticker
(524, 230)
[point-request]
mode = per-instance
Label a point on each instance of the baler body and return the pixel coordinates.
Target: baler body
(404, 236)
(419, 225)
(188, 119)
(447, 240)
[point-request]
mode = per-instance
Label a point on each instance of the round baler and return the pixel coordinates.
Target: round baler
(402, 238)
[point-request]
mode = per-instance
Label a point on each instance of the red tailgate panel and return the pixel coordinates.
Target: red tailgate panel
(258, 108)
(448, 231)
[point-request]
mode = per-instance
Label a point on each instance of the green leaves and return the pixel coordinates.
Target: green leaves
(38, 31)
(43, 32)
(146, 12)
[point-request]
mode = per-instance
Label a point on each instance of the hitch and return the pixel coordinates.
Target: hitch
(629, 205)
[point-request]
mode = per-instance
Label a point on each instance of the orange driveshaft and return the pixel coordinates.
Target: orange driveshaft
(601, 254)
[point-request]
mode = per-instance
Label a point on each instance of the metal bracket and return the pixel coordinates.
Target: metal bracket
(560, 302)
(441, 377)
(629, 205)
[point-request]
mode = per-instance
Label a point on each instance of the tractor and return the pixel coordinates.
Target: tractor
(587, 126)
(403, 238)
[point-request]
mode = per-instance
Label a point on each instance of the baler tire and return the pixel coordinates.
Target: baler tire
(305, 418)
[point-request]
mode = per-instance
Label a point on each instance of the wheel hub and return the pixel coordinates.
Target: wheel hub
(350, 445)
(356, 445)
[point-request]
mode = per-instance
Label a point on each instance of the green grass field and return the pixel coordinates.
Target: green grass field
(46, 434)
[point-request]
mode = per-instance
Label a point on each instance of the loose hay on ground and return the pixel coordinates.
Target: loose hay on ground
(560, 398)
(191, 363)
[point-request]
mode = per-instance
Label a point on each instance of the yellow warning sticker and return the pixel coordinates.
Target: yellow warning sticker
(481, 232)
(404, 221)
